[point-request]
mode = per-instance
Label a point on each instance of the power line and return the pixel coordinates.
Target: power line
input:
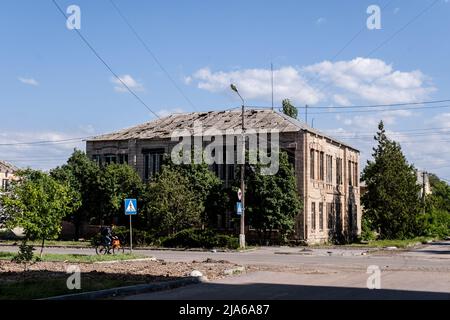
(44, 142)
(381, 110)
(105, 63)
(146, 47)
(390, 38)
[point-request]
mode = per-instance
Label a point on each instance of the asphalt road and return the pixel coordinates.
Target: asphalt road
(296, 273)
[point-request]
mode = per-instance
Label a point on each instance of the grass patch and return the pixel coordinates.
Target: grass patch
(394, 243)
(77, 258)
(43, 288)
(56, 243)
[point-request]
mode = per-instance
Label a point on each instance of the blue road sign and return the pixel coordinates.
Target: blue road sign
(130, 207)
(239, 208)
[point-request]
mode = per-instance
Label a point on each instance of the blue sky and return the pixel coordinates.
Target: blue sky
(53, 87)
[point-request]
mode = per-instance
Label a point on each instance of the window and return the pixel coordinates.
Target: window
(152, 162)
(329, 169)
(338, 171)
(330, 215)
(5, 184)
(321, 226)
(313, 215)
(110, 158)
(355, 174)
(97, 158)
(321, 167)
(230, 172)
(123, 158)
(338, 222)
(312, 164)
(350, 174)
(222, 172)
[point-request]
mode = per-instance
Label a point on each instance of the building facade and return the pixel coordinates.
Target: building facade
(6, 175)
(327, 170)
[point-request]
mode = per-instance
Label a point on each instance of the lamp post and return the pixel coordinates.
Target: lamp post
(242, 230)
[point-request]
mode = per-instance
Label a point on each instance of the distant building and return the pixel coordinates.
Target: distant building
(327, 170)
(7, 172)
(424, 181)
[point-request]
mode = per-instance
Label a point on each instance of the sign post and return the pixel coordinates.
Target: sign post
(239, 208)
(131, 210)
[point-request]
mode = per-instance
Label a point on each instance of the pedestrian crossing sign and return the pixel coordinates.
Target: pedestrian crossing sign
(130, 207)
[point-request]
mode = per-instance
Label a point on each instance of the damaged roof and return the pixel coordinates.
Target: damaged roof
(7, 167)
(257, 119)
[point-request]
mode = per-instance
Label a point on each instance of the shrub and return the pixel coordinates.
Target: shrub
(436, 223)
(196, 238)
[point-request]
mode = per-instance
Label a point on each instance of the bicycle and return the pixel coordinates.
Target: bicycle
(115, 246)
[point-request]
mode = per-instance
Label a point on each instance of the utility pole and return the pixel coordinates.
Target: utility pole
(306, 114)
(271, 69)
(423, 190)
(242, 229)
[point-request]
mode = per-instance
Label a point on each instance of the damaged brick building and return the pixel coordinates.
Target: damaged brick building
(327, 170)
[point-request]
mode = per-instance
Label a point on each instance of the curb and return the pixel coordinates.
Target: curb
(130, 290)
(129, 260)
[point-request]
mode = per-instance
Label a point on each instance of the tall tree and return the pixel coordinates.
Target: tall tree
(272, 201)
(38, 203)
(170, 203)
(81, 174)
(116, 183)
(392, 202)
(206, 186)
(289, 109)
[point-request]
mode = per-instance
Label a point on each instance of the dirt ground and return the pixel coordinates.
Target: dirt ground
(145, 271)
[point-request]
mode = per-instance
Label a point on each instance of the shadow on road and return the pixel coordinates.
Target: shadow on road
(260, 291)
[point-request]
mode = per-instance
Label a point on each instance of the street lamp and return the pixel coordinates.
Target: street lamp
(242, 232)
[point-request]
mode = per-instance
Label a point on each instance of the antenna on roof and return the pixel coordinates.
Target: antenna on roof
(271, 69)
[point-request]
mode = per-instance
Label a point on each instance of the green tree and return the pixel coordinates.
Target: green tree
(170, 204)
(37, 203)
(207, 188)
(436, 221)
(392, 202)
(272, 201)
(289, 109)
(116, 183)
(82, 176)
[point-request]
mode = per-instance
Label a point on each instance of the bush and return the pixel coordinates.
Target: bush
(196, 238)
(140, 237)
(367, 234)
(436, 223)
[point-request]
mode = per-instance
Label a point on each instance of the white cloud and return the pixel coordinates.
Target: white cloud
(341, 100)
(256, 84)
(39, 156)
(129, 81)
(28, 81)
(361, 79)
(167, 112)
(372, 80)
